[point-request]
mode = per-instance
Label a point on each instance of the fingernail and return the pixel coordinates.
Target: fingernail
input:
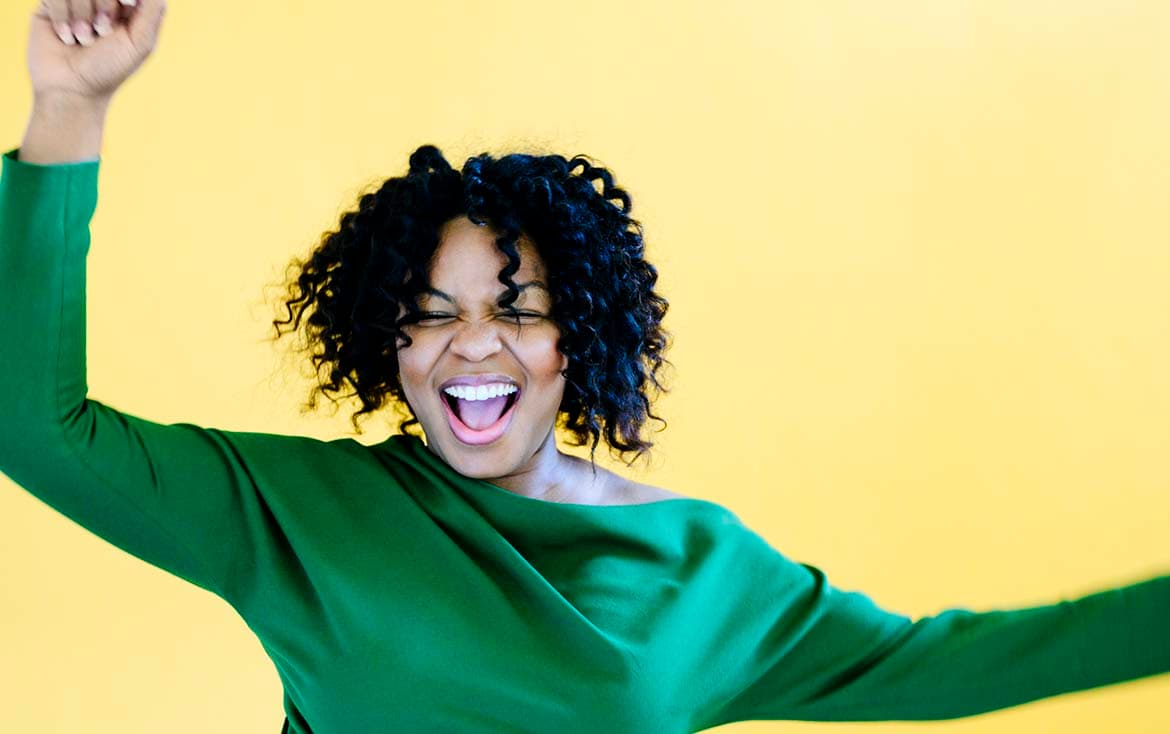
(83, 32)
(64, 33)
(101, 24)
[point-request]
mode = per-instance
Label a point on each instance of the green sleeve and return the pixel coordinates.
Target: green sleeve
(807, 651)
(177, 496)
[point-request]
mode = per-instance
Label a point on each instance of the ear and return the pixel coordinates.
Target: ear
(564, 362)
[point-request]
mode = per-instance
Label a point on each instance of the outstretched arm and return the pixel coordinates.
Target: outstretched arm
(811, 652)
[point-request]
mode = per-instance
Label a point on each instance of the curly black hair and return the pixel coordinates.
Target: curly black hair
(603, 297)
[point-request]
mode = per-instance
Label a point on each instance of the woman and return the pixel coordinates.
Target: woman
(483, 581)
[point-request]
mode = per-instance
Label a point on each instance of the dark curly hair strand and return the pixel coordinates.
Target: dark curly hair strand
(603, 297)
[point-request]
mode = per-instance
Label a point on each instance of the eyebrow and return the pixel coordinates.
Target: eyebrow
(522, 286)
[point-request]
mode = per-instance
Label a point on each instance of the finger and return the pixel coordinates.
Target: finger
(105, 13)
(146, 21)
(57, 11)
(81, 20)
(124, 11)
(125, 8)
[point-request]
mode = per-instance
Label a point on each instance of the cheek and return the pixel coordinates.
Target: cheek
(413, 370)
(543, 360)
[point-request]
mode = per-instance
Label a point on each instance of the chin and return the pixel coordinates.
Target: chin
(473, 461)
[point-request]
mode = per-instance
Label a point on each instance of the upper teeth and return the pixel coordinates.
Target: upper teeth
(480, 392)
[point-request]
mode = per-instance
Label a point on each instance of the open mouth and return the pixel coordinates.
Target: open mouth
(478, 422)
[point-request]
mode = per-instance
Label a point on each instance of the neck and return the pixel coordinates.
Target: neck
(553, 476)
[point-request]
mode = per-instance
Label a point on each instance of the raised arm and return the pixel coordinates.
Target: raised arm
(177, 496)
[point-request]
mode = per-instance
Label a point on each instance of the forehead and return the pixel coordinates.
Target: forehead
(467, 264)
(461, 239)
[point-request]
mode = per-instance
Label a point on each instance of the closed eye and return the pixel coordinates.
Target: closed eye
(509, 314)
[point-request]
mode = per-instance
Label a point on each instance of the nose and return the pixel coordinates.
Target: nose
(476, 341)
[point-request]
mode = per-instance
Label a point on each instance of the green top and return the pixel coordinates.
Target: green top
(395, 595)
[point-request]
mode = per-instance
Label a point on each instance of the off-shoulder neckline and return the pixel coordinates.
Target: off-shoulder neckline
(415, 445)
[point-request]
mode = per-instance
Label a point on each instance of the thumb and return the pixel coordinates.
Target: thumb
(145, 23)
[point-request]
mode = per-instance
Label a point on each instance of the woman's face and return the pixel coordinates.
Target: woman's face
(471, 335)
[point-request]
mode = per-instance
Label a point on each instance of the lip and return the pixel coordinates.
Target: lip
(480, 379)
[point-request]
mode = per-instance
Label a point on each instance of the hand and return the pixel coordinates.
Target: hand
(93, 66)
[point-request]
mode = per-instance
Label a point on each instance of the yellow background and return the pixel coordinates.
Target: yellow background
(916, 254)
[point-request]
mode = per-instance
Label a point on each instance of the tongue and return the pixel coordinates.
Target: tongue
(479, 414)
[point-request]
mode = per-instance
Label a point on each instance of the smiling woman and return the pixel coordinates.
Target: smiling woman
(485, 385)
(491, 303)
(522, 272)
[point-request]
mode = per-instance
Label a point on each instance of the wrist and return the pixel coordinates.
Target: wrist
(64, 128)
(70, 103)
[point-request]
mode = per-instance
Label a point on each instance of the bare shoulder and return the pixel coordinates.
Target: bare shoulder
(636, 493)
(610, 488)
